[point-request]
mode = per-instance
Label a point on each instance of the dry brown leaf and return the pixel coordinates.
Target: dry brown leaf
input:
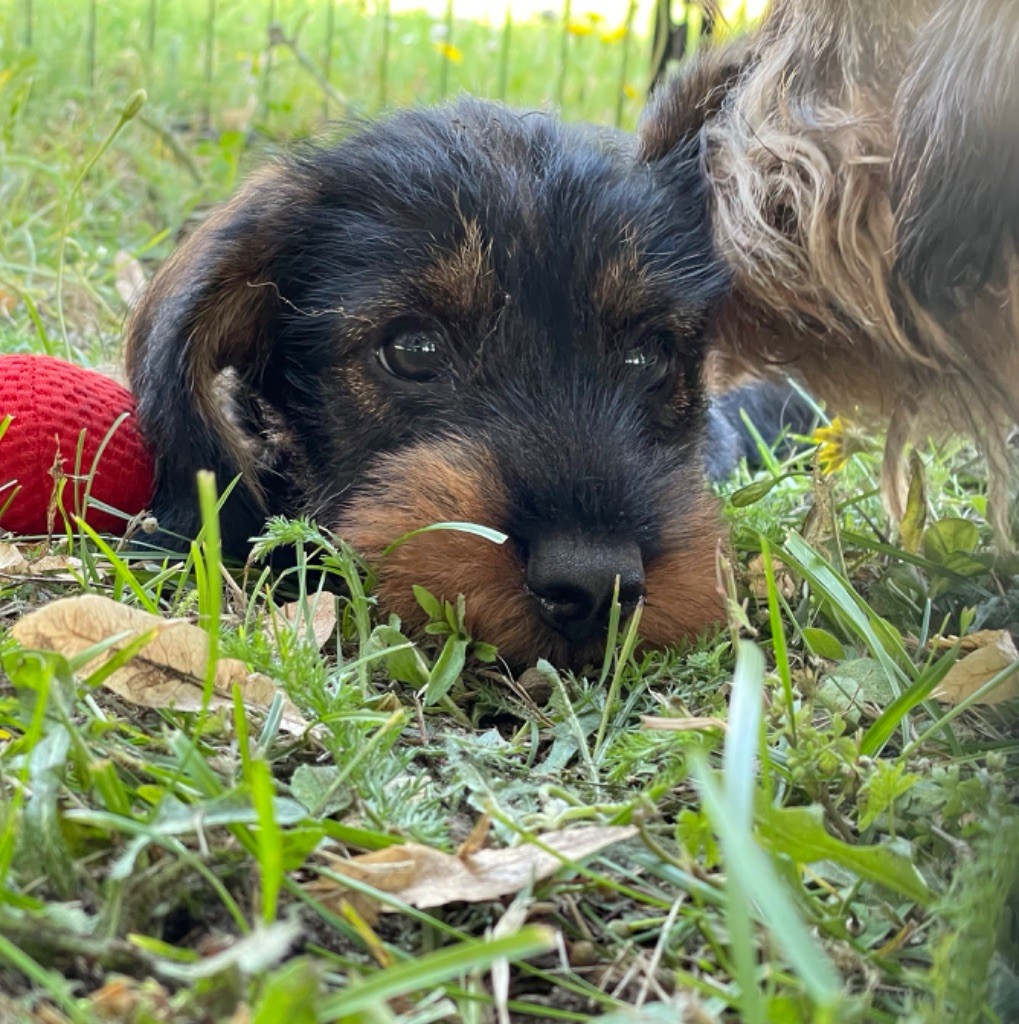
(323, 617)
(7, 302)
(757, 579)
(168, 672)
(122, 998)
(12, 561)
(477, 839)
(129, 278)
(424, 877)
(64, 565)
(970, 642)
(996, 651)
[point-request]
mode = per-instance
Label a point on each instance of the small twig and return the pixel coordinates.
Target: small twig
(277, 37)
(840, 824)
(175, 145)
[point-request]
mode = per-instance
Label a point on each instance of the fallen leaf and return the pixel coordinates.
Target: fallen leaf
(7, 302)
(169, 671)
(65, 565)
(970, 642)
(123, 998)
(323, 617)
(475, 842)
(424, 877)
(967, 675)
(129, 278)
(757, 579)
(12, 561)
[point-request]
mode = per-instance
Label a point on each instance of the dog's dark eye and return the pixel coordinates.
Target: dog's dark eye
(650, 362)
(417, 355)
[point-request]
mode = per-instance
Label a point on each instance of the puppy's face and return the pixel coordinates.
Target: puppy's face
(463, 315)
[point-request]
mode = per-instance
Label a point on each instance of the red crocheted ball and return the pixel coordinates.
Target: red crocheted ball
(52, 402)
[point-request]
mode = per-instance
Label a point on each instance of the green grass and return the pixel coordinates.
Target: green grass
(843, 851)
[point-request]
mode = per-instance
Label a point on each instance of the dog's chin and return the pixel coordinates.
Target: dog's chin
(442, 481)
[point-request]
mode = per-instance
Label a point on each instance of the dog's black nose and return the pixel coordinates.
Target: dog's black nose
(572, 579)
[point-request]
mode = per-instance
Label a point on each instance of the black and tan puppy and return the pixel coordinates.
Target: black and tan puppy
(863, 166)
(463, 314)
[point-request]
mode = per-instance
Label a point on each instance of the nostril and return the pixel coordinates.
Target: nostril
(631, 593)
(573, 578)
(565, 601)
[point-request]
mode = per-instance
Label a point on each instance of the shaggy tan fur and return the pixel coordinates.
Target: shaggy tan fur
(799, 133)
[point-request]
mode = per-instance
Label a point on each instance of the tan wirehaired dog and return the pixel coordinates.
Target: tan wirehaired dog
(863, 161)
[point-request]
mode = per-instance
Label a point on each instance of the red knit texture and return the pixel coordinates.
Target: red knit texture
(52, 402)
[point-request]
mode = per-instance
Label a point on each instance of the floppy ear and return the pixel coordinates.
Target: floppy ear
(212, 307)
(955, 172)
(680, 107)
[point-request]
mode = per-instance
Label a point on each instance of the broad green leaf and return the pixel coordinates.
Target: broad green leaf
(431, 604)
(962, 563)
(823, 644)
(484, 652)
(949, 536)
(289, 995)
(311, 783)
(852, 684)
(298, 843)
(404, 662)
(799, 833)
(447, 668)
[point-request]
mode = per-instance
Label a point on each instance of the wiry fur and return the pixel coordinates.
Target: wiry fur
(539, 257)
(863, 160)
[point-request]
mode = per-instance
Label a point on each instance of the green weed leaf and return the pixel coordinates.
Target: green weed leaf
(799, 833)
(823, 644)
(447, 668)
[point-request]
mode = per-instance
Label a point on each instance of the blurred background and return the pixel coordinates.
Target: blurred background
(83, 215)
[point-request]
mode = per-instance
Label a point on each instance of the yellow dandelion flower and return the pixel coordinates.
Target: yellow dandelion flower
(579, 28)
(629, 91)
(452, 53)
(838, 443)
(615, 35)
